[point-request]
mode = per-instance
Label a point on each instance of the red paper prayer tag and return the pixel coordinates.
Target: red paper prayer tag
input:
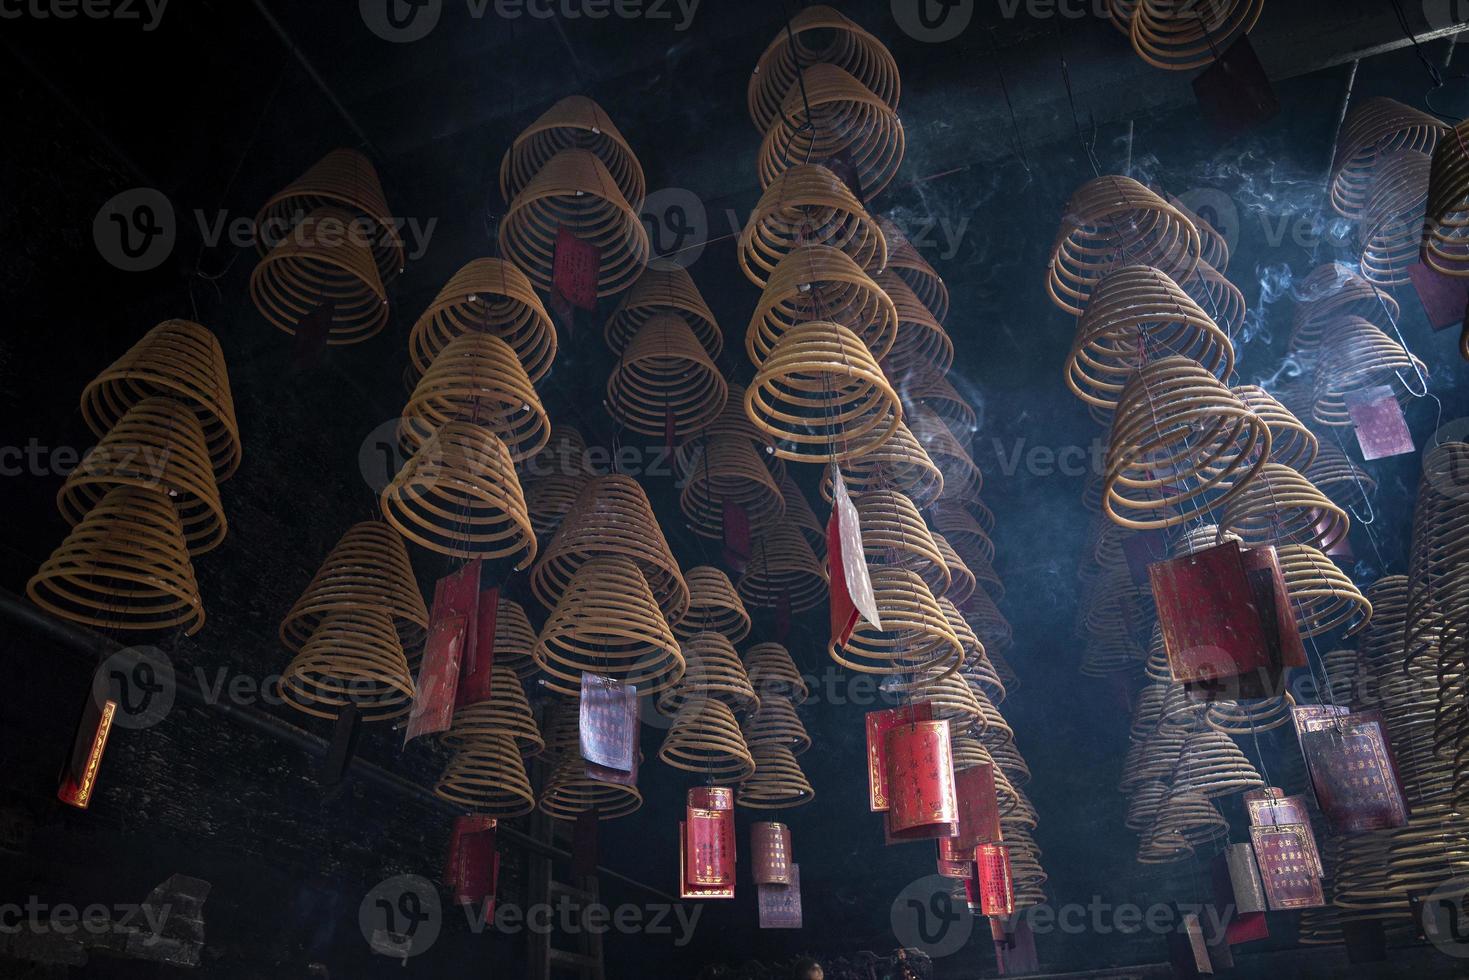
(920, 781)
(1212, 630)
(1247, 927)
(1382, 431)
(479, 659)
(608, 723)
(453, 628)
(1445, 299)
(1285, 849)
(79, 778)
(770, 853)
(1277, 613)
(575, 269)
(851, 586)
(951, 862)
(1353, 772)
(780, 905)
(710, 843)
(979, 808)
(472, 870)
(878, 722)
(995, 885)
(735, 523)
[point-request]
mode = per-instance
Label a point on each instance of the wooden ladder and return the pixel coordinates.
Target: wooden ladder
(547, 960)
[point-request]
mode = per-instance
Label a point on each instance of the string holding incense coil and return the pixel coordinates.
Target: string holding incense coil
(819, 282)
(1218, 297)
(612, 517)
(343, 179)
(477, 377)
(914, 636)
(783, 569)
(921, 343)
(1177, 36)
(367, 569)
(554, 477)
(459, 495)
(1181, 437)
(177, 359)
(821, 396)
(899, 464)
(1241, 718)
(1324, 597)
(818, 34)
(1357, 356)
(905, 261)
(1392, 226)
(125, 566)
(665, 379)
(1374, 130)
(799, 512)
(962, 582)
(772, 672)
(894, 534)
(575, 122)
(1291, 443)
(489, 296)
(607, 622)
(488, 777)
(775, 722)
(515, 639)
(778, 782)
(1112, 221)
(1280, 506)
(962, 479)
(1137, 316)
(322, 263)
(714, 606)
(506, 712)
(729, 471)
(831, 115)
(351, 659)
(808, 204)
(573, 190)
(1333, 293)
(662, 290)
(1213, 247)
(712, 669)
(157, 444)
(1446, 224)
(568, 791)
(706, 739)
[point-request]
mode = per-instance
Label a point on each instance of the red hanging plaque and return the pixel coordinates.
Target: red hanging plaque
(710, 843)
(920, 781)
(473, 866)
(1212, 629)
(1353, 772)
(687, 888)
(780, 905)
(79, 778)
(1277, 614)
(979, 808)
(994, 883)
(1445, 299)
(453, 629)
(878, 722)
(770, 853)
(479, 659)
(575, 268)
(1285, 849)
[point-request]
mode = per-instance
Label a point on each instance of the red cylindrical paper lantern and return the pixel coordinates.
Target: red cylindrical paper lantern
(954, 861)
(710, 842)
(995, 885)
(979, 809)
(770, 853)
(922, 800)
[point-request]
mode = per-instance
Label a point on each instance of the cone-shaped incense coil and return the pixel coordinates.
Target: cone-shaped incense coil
(1166, 36)
(905, 261)
(714, 606)
(962, 582)
(322, 263)
(553, 478)
(1347, 484)
(665, 382)
(799, 512)
(705, 738)
(1322, 595)
(568, 790)
(1243, 718)
(1333, 293)
(778, 782)
(514, 638)
(487, 777)
(1291, 443)
(773, 673)
(914, 636)
(712, 669)
(1392, 227)
(808, 204)
(1211, 765)
(352, 658)
(506, 712)
(1354, 357)
(1446, 226)
(368, 569)
(1281, 507)
(775, 722)
(729, 471)
(574, 122)
(1374, 130)
(962, 479)
(659, 291)
(488, 296)
(899, 464)
(783, 568)
(922, 344)
(476, 377)
(818, 34)
(894, 534)
(819, 282)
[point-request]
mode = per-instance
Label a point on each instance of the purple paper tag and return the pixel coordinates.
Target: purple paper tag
(780, 905)
(1382, 431)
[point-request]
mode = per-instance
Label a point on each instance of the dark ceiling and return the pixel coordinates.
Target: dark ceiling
(225, 102)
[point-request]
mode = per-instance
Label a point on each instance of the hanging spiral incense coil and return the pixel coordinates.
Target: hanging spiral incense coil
(772, 672)
(822, 397)
(554, 477)
(783, 568)
(964, 533)
(799, 512)
(894, 534)
(1180, 36)
(808, 204)
(1188, 541)
(729, 471)
(905, 261)
(1117, 604)
(775, 722)
(980, 674)
(951, 698)
(573, 190)
(818, 282)
(962, 480)
(1333, 293)
(1438, 584)
(489, 296)
(734, 422)
(1192, 817)
(1181, 441)
(125, 566)
(1156, 760)
(1157, 668)
(612, 517)
(1241, 718)
(1355, 357)
(661, 291)
(488, 778)
(1291, 443)
(1392, 226)
(914, 636)
(1008, 758)
(1373, 131)
(921, 343)
(1147, 711)
(1111, 652)
(665, 379)
(608, 623)
(343, 179)
(962, 582)
(778, 782)
(507, 712)
(925, 390)
(1142, 808)
(989, 624)
(1218, 297)
(1446, 225)
(1324, 597)
(714, 606)
(899, 464)
(514, 639)
(459, 495)
(1214, 247)
(1112, 221)
(1138, 315)
(576, 122)
(706, 739)
(831, 115)
(568, 790)
(477, 377)
(1179, 712)
(367, 569)
(322, 263)
(177, 359)
(1003, 668)
(712, 669)
(351, 659)
(1280, 506)
(1344, 673)
(158, 444)
(818, 35)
